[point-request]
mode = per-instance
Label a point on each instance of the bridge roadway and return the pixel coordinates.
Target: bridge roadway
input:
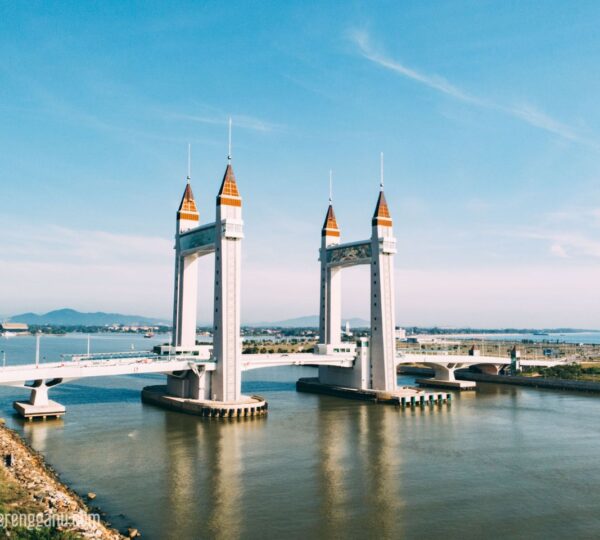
(108, 364)
(468, 360)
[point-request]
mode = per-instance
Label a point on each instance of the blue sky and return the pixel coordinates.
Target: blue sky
(486, 111)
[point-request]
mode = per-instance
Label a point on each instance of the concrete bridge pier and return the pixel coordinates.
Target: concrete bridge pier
(444, 377)
(490, 369)
(39, 405)
(190, 392)
(358, 376)
(192, 384)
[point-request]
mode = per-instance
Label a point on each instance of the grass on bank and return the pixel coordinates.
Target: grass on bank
(15, 500)
(568, 372)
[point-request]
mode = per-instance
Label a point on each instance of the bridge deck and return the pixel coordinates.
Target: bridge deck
(257, 361)
(81, 367)
(467, 360)
(107, 364)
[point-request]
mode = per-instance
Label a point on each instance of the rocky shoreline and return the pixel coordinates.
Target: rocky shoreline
(34, 496)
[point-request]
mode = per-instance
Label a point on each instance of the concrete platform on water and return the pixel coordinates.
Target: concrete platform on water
(453, 385)
(405, 396)
(29, 411)
(248, 406)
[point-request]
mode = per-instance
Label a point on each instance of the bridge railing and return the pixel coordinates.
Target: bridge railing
(110, 356)
(448, 352)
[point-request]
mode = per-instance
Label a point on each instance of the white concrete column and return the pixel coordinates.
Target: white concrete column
(330, 300)
(383, 309)
(323, 297)
(188, 300)
(176, 335)
(39, 396)
(185, 294)
(330, 318)
(227, 379)
(334, 305)
(444, 372)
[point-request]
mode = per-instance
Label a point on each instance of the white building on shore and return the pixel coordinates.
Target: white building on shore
(8, 329)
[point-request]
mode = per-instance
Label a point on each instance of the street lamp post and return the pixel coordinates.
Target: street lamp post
(37, 349)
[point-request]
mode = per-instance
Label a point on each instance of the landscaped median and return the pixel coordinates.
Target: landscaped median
(33, 501)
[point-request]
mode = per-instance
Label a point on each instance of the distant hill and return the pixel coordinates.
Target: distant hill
(310, 321)
(71, 317)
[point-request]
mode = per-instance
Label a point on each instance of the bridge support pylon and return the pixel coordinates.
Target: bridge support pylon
(375, 365)
(216, 391)
(39, 405)
(444, 377)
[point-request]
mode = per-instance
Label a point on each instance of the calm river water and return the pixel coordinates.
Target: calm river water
(504, 462)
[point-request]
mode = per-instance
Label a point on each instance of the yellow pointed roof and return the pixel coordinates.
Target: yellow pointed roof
(187, 208)
(382, 213)
(229, 194)
(330, 227)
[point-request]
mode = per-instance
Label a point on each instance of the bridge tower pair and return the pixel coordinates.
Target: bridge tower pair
(375, 367)
(192, 241)
(220, 380)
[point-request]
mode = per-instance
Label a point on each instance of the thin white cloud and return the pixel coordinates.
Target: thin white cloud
(563, 244)
(84, 269)
(83, 247)
(521, 295)
(558, 251)
(577, 215)
(525, 113)
(241, 121)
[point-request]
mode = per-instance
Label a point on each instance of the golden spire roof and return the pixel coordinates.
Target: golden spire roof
(229, 194)
(382, 213)
(330, 227)
(187, 208)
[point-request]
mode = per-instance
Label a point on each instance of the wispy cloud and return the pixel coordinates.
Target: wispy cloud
(585, 219)
(241, 121)
(564, 244)
(84, 247)
(526, 113)
(558, 251)
(85, 269)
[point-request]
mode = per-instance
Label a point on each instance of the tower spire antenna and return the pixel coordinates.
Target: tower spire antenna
(229, 148)
(330, 186)
(189, 172)
(381, 172)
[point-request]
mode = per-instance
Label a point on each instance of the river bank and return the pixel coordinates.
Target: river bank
(535, 382)
(33, 499)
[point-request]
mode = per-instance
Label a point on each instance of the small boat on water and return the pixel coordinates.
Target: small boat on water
(8, 334)
(149, 335)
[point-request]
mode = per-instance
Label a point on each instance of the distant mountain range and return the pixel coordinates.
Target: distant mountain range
(71, 317)
(310, 321)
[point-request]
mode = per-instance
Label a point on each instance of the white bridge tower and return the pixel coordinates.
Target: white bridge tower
(375, 366)
(216, 383)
